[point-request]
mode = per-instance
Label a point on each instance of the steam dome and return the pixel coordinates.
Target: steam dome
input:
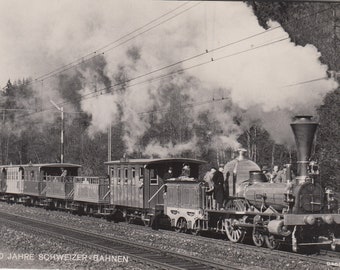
(237, 171)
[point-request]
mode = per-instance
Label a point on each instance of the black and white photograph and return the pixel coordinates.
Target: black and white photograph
(169, 134)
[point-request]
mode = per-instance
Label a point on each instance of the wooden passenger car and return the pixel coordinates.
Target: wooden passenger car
(60, 189)
(137, 185)
(12, 178)
(91, 194)
(28, 183)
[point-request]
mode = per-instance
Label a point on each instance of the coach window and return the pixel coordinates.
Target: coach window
(118, 175)
(141, 172)
(21, 173)
(32, 175)
(126, 175)
(112, 172)
(133, 174)
(153, 177)
(4, 172)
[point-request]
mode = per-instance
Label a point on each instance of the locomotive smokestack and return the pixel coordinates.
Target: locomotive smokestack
(304, 130)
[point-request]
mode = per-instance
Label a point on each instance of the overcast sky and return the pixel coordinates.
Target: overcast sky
(38, 36)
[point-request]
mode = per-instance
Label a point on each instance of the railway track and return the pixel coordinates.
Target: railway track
(148, 255)
(324, 258)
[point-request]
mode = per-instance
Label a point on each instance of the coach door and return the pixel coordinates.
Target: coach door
(153, 184)
(3, 180)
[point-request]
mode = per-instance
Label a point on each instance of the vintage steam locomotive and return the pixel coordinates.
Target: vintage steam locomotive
(298, 213)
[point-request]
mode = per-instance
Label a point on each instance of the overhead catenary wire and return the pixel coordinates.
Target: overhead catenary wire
(121, 43)
(188, 105)
(194, 104)
(184, 60)
(304, 82)
(80, 60)
(144, 75)
(95, 93)
(68, 68)
(100, 91)
(107, 47)
(115, 41)
(123, 84)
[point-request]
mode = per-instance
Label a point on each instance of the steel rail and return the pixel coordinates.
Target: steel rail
(321, 259)
(143, 253)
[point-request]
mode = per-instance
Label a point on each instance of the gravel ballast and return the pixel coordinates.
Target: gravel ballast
(176, 242)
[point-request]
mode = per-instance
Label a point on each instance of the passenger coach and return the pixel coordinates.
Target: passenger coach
(138, 185)
(34, 183)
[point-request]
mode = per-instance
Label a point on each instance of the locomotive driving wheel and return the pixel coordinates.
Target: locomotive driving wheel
(258, 231)
(258, 237)
(235, 234)
(272, 242)
(181, 225)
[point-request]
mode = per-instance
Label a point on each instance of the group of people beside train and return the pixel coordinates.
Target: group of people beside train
(277, 175)
(217, 182)
(184, 174)
(217, 188)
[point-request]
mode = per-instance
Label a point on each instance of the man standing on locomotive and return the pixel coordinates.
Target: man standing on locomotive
(210, 188)
(225, 186)
(218, 180)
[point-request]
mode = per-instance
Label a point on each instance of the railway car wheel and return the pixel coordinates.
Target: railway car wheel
(146, 222)
(234, 233)
(272, 242)
(128, 220)
(258, 238)
(181, 225)
(196, 229)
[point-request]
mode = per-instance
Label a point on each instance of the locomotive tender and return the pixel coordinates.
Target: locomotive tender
(298, 213)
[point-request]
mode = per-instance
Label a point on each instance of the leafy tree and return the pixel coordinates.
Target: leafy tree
(328, 138)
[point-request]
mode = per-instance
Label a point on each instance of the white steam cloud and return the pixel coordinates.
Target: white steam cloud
(263, 82)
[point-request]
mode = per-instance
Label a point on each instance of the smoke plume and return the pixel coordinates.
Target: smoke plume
(262, 77)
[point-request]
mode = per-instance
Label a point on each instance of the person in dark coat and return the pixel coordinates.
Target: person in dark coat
(225, 185)
(168, 174)
(185, 171)
(218, 180)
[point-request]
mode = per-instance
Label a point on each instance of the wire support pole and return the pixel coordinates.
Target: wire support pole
(62, 130)
(62, 135)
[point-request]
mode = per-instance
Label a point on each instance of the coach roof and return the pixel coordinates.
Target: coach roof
(152, 161)
(43, 165)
